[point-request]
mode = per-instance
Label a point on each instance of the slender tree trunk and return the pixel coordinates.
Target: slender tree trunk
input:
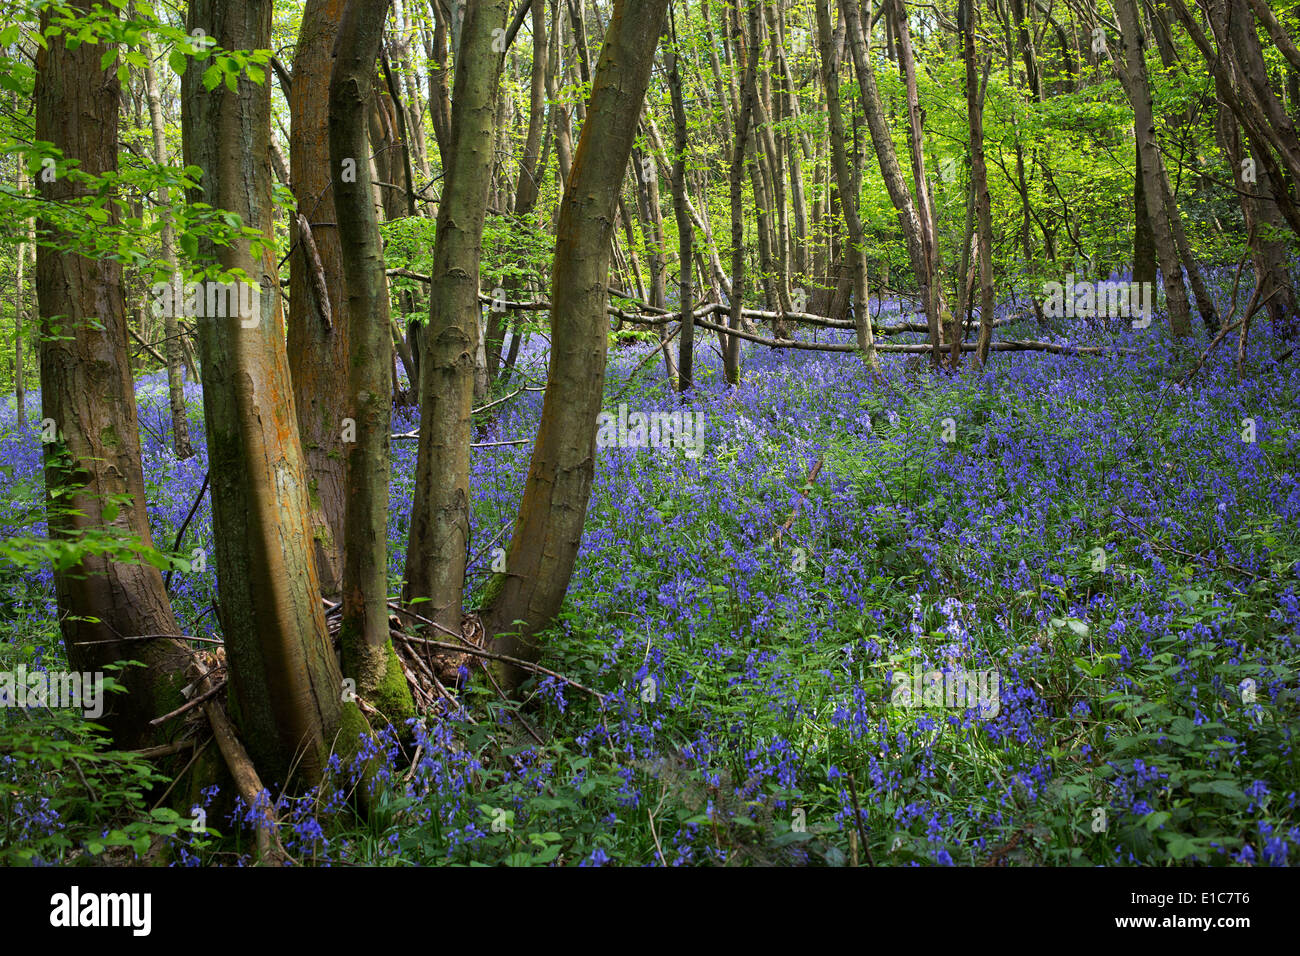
(318, 345)
(20, 314)
(171, 329)
(1133, 71)
(285, 682)
(548, 529)
(1144, 240)
(1263, 221)
(435, 560)
(968, 18)
(440, 78)
(744, 116)
(93, 474)
(367, 651)
(646, 178)
(529, 174)
(559, 111)
(788, 113)
(855, 253)
(685, 228)
(881, 137)
(1204, 301)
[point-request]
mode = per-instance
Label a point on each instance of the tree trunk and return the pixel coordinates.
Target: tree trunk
(171, 329)
(367, 651)
(435, 560)
(549, 527)
(285, 683)
(968, 18)
(1144, 240)
(908, 220)
(646, 177)
(20, 314)
(1263, 222)
(93, 474)
(439, 55)
(1133, 72)
(744, 117)
(685, 228)
(855, 253)
(916, 147)
(318, 349)
(529, 175)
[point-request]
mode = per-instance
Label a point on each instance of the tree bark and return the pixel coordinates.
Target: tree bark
(744, 117)
(685, 228)
(94, 478)
(855, 253)
(881, 137)
(285, 684)
(319, 352)
(968, 18)
(367, 651)
(435, 560)
(171, 328)
(1132, 70)
(549, 526)
(529, 174)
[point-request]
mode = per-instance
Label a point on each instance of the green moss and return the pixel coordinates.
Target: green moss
(352, 727)
(379, 677)
(391, 695)
(492, 590)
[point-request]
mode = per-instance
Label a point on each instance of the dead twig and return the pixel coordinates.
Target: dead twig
(190, 704)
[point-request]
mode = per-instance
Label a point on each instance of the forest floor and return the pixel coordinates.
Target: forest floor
(1111, 555)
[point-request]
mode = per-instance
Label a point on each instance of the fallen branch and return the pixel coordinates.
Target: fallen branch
(465, 647)
(803, 494)
(921, 348)
(473, 651)
(165, 750)
(151, 637)
(244, 773)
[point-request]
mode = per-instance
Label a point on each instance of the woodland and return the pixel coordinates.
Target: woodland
(649, 432)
